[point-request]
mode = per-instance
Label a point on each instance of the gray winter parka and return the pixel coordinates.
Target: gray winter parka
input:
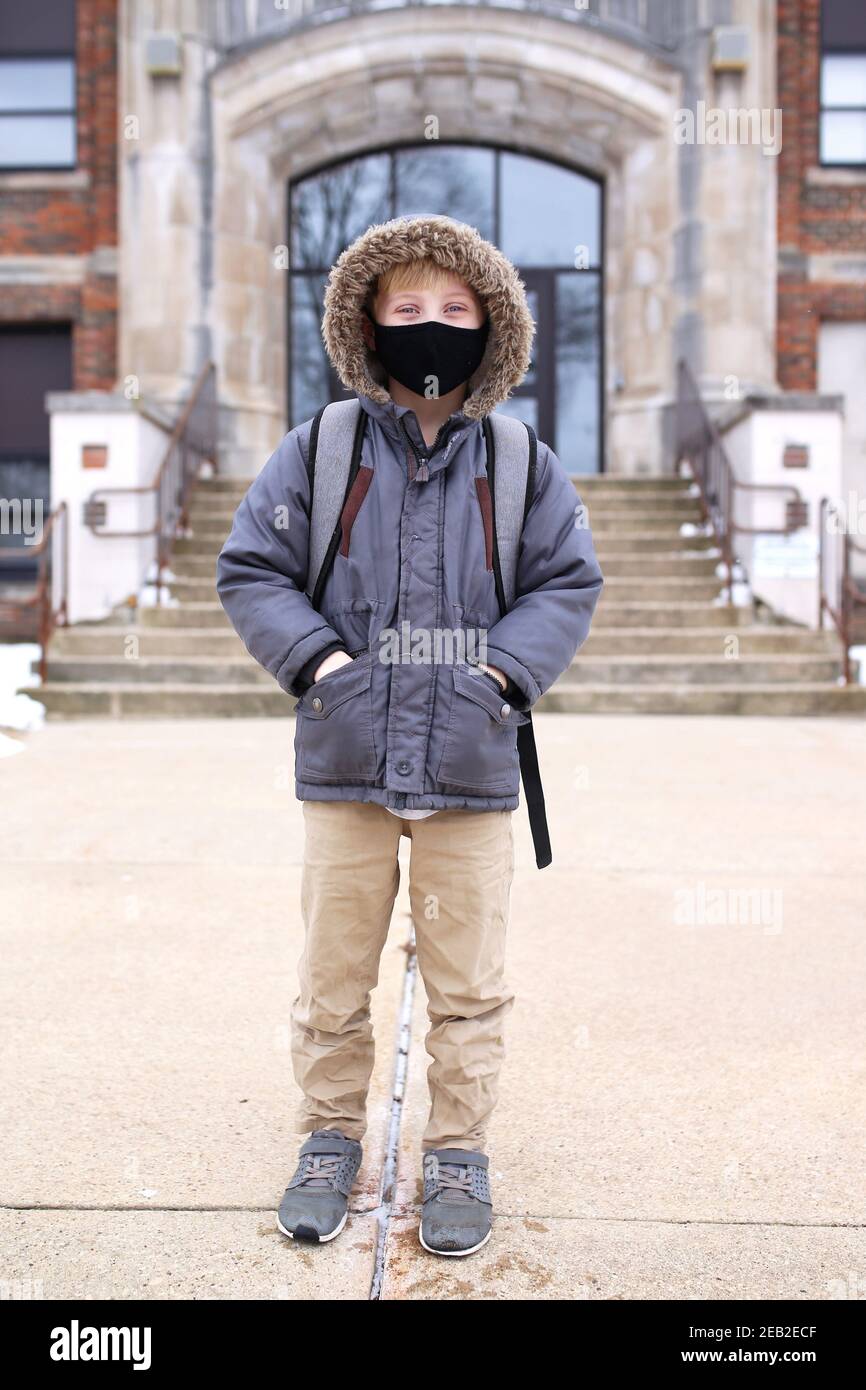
(429, 729)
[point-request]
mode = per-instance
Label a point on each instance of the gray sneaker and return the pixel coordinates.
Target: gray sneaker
(315, 1204)
(457, 1210)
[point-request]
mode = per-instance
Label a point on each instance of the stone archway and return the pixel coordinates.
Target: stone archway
(554, 90)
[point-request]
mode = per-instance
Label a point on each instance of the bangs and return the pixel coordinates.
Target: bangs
(412, 275)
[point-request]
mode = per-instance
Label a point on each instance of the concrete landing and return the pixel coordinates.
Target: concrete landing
(682, 1108)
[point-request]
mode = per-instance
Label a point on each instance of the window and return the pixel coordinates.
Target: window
(37, 85)
(34, 359)
(843, 83)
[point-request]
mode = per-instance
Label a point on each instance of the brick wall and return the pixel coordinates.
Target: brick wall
(821, 214)
(62, 220)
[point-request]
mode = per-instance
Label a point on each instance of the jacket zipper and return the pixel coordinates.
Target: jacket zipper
(422, 475)
(422, 470)
(422, 456)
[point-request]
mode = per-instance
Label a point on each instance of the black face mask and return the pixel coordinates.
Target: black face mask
(413, 353)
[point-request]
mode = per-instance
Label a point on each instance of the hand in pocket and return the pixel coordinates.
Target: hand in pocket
(332, 662)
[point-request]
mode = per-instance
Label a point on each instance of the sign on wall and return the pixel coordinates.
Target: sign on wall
(785, 557)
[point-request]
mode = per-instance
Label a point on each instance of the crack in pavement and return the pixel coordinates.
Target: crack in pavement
(392, 1207)
(387, 1186)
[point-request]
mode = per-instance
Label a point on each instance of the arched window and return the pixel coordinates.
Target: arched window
(546, 218)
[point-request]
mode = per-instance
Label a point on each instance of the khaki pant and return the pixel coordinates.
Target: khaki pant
(461, 867)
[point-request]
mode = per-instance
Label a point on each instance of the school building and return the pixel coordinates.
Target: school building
(682, 186)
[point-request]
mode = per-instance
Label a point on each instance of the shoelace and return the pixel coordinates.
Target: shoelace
(321, 1168)
(456, 1180)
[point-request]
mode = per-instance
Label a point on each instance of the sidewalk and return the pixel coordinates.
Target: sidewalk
(683, 1108)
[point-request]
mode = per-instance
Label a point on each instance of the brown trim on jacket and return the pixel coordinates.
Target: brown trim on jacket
(357, 493)
(482, 487)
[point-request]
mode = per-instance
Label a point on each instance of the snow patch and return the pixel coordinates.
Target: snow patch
(148, 597)
(19, 711)
(167, 573)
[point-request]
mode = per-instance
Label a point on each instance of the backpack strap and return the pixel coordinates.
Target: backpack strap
(333, 460)
(512, 484)
(512, 452)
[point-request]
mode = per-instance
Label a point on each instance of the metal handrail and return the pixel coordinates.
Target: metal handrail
(49, 615)
(840, 605)
(193, 441)
(699, 443)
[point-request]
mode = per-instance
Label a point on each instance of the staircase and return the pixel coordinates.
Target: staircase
(661, 642)
(182, 660)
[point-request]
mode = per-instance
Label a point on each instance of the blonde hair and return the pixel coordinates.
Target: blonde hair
(412, 275)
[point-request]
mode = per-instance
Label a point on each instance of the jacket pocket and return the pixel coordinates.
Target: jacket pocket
(334, 726)
(479, 755)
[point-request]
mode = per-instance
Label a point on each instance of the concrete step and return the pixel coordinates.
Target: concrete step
(613, 614)
(776, 699)
(160, 700)
(623, 590)
(687, 564)
(209, 534)
(628, 487)
(193, 590)
(605, 516)
(617, 529)
(213, 531)
(610, 613)
(667, 563)
(223, 643)
(706, 641)
(199, 546)
(222, 487)
(84, 640)
(210, 523)
(86, 700)
(702, 670)
(662, 541)
(184, 615)
(195, 566)
(664, 534)
(211, 513)
(222, 506)
(153, 670)
(647, 504)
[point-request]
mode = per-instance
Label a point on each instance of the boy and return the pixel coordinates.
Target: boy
(428, 324)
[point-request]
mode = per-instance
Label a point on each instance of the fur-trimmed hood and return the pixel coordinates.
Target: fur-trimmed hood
(457, 247)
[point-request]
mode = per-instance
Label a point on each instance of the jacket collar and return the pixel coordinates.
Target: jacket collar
(390, 414)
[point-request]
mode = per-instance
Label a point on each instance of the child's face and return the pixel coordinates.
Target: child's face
(454, 302)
